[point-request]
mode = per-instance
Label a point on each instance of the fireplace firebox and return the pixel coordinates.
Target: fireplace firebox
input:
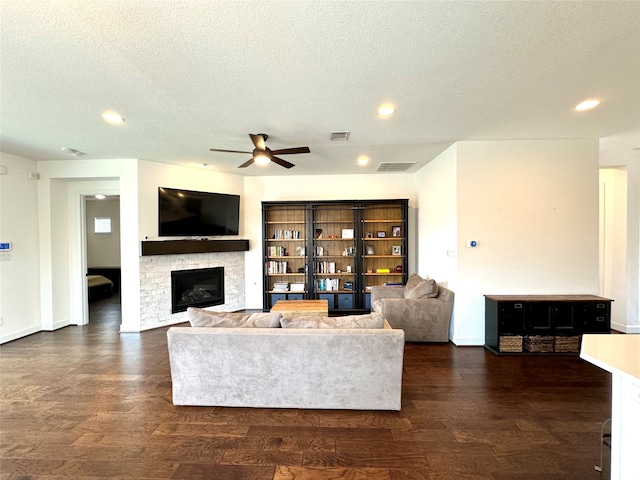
(202, 287)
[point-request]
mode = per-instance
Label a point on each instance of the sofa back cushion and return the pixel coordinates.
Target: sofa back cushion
(418, 287)
(372, 320)
(199, 317)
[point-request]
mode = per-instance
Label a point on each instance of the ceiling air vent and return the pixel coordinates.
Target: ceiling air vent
(340, 136)
(395, 167)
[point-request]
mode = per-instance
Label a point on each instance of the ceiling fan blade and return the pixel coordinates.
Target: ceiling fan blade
(228, 151)
(247, 163)
(258, 141)
(281, 162)
(288, 151)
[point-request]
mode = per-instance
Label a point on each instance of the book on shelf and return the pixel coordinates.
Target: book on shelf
(325, 267)
(274, 251)
(286, 234)
(297, 287)
(382, 270)
(274, 267)
(280, 286)
(328, 284)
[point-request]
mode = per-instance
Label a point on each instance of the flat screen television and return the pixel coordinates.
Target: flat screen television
(187, 213)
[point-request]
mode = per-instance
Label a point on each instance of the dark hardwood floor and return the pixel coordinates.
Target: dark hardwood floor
(91, 403)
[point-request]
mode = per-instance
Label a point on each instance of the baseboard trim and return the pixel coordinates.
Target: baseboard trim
(619, 327)
(17, 335)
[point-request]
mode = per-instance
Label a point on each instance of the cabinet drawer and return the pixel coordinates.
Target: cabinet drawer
(277, 296)
(593, 317)
(331, 299)
(345, 300)
(511, 317)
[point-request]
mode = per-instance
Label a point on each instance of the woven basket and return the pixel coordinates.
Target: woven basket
(566, 344)
(538, 343)
(512, 343)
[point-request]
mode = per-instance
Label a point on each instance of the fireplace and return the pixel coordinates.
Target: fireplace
(202, 287)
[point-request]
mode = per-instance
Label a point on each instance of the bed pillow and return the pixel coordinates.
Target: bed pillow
(199, 317)
(418, 287)
(373, 320)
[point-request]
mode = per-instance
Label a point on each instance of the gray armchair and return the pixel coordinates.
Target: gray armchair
(424, 319)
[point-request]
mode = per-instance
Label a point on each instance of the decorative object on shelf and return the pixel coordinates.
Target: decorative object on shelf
(318, 233)
(319, 251)
(280, 286)
(347, 286)
(396, 250)
(370, 250)
(347, 233)
(348, 252)
(369, 270)
(297, 287)
(348, 268)
(398, 268)
(382, 270)
(368, 235)
(302, 269)
(381, 234)
(300, 251)
(395, 231)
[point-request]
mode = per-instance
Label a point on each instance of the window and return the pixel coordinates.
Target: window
(102, 225)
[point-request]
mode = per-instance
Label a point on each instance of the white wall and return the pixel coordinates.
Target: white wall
(103, 249)
(326, 187)
(613, 242)
(624, 158)
(19, 269)
(438, 218)
(532, 206)
(153, 175)
(61, 189)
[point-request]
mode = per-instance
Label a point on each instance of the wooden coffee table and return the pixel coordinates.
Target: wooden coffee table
(314, 308)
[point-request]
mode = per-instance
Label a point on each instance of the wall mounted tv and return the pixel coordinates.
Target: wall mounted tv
(186, 213)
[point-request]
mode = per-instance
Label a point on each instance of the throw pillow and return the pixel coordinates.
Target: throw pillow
(199, 317)
(418, 287)
(373, 320)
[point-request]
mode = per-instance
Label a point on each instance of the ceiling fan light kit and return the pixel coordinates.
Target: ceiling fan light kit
(262, 154)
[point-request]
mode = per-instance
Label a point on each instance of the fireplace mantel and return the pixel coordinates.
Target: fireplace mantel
(176, 247)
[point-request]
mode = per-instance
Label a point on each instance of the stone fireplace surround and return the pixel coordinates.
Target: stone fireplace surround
(155, 284)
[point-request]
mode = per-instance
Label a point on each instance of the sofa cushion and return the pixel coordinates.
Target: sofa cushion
(418, 287)
(199, 317)
(373, 320)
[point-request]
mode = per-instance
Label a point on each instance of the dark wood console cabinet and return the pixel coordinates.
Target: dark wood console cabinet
(543, 323)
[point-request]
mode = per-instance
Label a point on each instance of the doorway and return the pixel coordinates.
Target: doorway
(102, 250)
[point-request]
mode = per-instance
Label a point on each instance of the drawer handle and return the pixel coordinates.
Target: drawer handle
(600, 305)
(599, 319)
(517, 305)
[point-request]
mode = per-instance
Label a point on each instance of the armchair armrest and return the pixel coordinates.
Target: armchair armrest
(378, 293)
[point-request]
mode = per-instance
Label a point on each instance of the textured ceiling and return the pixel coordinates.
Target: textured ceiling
(192, 75)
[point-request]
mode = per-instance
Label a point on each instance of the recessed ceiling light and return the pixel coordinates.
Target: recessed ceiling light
(113, 117)
(587, 105)
(100, 196)
(363, 160)
(386, 110)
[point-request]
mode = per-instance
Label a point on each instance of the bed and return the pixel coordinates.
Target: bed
(99, 287)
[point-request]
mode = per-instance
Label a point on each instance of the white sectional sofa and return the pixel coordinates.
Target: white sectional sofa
(319, 368)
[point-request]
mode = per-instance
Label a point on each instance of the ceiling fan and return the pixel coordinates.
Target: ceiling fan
(263, 154)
